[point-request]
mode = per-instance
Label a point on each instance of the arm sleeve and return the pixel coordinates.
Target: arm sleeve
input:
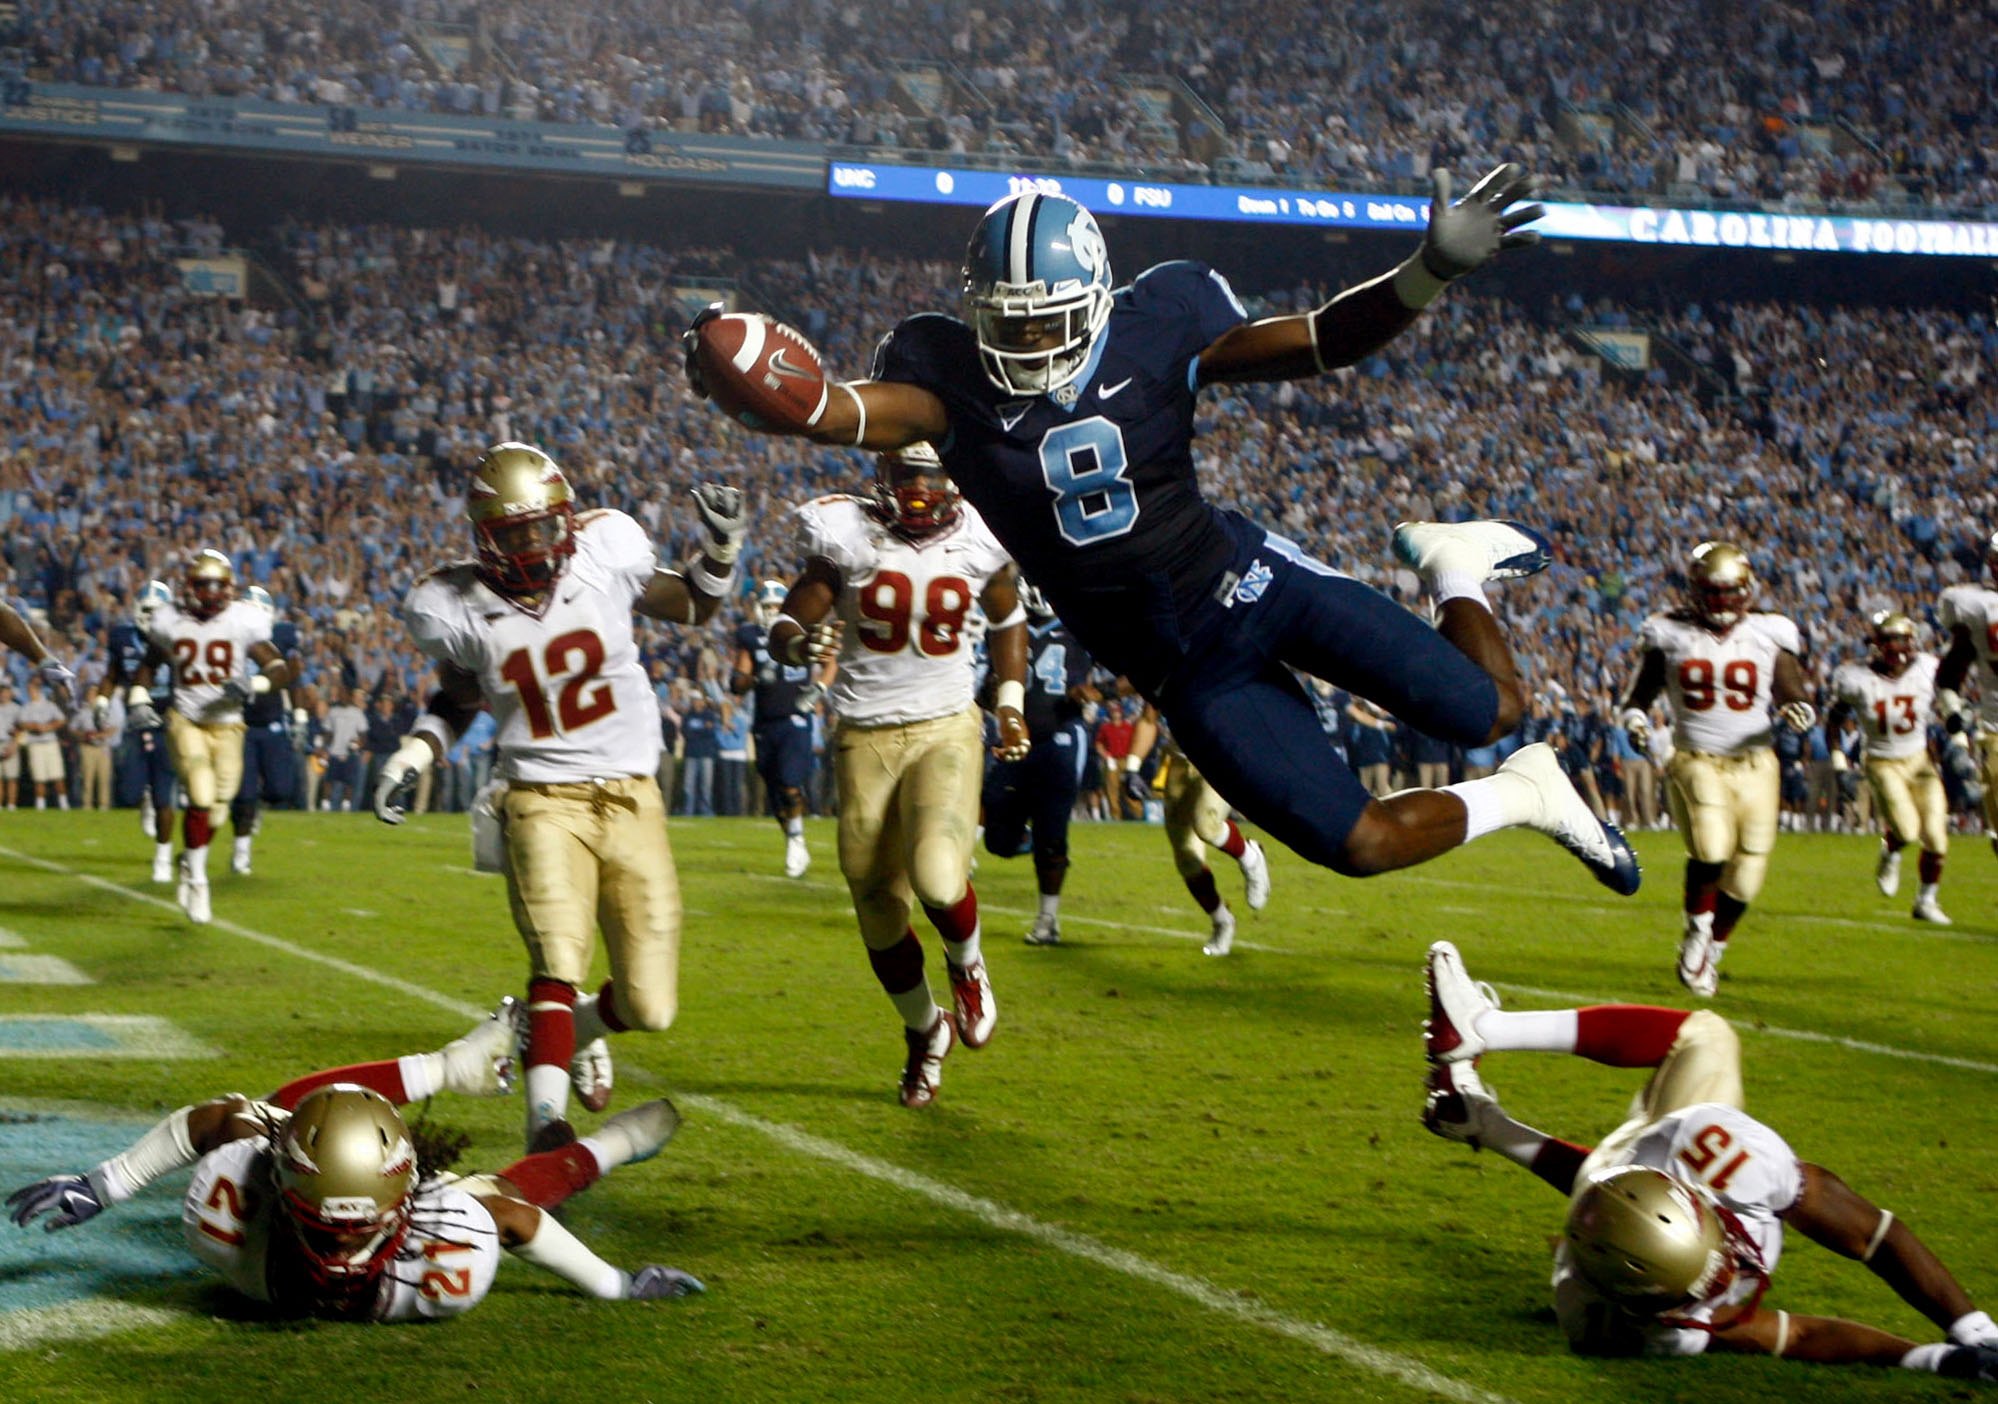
(1656, 629)
(830, 529)
(621, 544)
(1191, 297)
(1785, 634)
(1951, 610)
(433, 618)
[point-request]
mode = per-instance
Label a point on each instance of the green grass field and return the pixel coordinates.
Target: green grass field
(1168, 1178)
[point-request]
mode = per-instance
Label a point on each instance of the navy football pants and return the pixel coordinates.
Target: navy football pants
(1040, 790)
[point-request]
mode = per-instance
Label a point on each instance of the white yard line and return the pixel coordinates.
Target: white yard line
(91, 1317)
(1374, 1359)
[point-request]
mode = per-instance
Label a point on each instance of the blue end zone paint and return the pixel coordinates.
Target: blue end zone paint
(129, 1250)
(54, 1036)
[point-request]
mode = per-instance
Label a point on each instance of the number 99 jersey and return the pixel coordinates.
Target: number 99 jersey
(566, 687)
(1719, 684)
(910, 609)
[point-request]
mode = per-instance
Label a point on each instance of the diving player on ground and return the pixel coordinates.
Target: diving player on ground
(1064, 411)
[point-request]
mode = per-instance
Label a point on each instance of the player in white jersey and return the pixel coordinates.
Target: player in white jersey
(1893, 694)
(894, 585)
(540, 627)
(1676, 1220)
(208, 639)
(16, 633)
(1970, 615)
(1722, 667)
(314, 1200)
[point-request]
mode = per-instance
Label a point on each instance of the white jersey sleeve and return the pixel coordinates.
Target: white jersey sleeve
(1893, 712)
(437, 614)
(226, 1214)
(204, 654)
(1720, 685)
(620, 547)
(447, 1264)
(1974, 609)
(838, 529)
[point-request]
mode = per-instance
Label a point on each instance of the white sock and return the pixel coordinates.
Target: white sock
(795, 827)
(422, 1075)
(1457, 585)
(1050, 905)
(1928, 892)
(917, 1009)
(197, 861)
(1499, 801)
(547, 1094)
(242, 848)
(1528, 1030)
(164, 849)
(963, 953)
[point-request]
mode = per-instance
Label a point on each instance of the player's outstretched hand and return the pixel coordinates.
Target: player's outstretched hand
(1637, 727)
(1473, 231)
(60, 682)
(395, 792)
(1136, 789)
(1014, 742)
(653, 1283)
(726, 516)
(67, 1199)
(237, 692)
(690, 341)
(1798, 716)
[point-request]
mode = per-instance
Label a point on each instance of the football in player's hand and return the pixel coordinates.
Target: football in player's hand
(762, 373)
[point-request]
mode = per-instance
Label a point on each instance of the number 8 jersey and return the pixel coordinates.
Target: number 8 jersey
(1719, 684)
(910, 609)
(566, 687)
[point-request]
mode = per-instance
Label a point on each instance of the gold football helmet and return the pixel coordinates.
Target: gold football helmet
(912, 492)
(346, 1176)
(523, 518)
(1647, 1241)
(1892, 636)
(209, 585)
(1720, 583)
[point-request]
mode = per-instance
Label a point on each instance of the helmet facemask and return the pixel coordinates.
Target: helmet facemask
(210, 585)
(1893, 643)
(1721, 583)
(914, 494)
(346, 1175)
(1036, 291)
(523, 519)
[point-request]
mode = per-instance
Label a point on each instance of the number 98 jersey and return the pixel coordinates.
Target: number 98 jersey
(910, 609)
(566, 687)
(1719, 684)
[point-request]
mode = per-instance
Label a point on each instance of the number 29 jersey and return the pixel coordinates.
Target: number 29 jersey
(203, 654)
(910, 609)
(1093, 488)
(1719, 684)
(567, 690)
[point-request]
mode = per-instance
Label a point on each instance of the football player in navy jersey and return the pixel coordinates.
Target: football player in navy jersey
(1064, 411)
(270, 766)
(785, 697)
(145, 724)
(1037, 795)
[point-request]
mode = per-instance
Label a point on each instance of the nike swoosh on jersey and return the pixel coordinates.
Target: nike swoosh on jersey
(1012, 414)
(1104, 392)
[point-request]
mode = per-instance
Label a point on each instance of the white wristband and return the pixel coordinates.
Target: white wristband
(562, 1253)
(1634, 720)
(1011, 694)
(436, 728)
(140, 695)
(413, 754)
(706, 581)
(259, 685)
(1133, 762)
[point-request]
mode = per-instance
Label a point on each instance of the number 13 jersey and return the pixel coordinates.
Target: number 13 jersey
(910, 609)
(566, 687)
(1893, 712)
(1719, 684)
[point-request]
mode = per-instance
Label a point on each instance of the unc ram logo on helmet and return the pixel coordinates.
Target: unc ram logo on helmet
(1036, 256)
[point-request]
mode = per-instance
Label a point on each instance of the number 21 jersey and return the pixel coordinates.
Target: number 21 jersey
(1719, 684)
(566, 687)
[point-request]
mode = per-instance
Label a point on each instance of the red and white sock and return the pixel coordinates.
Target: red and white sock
(899, 968)
(958, 925)
(1232, 843)
(551, 1043)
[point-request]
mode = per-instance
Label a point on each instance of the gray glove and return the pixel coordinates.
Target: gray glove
(67, 1199)
(238, 691)
(60, 682)
(808, 700)
(142, 716)
(726, 516)
(1473, 231)
(653, 1283)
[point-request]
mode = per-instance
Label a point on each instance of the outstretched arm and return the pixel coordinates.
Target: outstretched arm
(693, 596)
(1462, 237)
(456, 701)
(538, 1238)
(182, 1138)
(805, 633)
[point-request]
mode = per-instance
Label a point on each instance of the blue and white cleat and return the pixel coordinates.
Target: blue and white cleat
(1494, 550)
(1566, 818)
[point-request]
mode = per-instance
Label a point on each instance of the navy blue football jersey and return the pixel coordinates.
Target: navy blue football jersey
(268, 707)
(1056, 662)
(128, 663)
(778, 685)
(1092, 489)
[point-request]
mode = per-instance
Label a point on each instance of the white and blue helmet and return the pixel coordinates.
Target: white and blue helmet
(152, 595)
(261, 598)
(1034, 258)
(770, 597)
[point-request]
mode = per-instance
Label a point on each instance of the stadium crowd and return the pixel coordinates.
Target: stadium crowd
(1813, 104)
(319, 443)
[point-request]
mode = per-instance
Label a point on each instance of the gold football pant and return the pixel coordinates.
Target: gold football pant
(208, 758)
(1988, 746)
(908, 812)
(1726, 809)
(590, 855)
(1195, 816)
(1909, 794)
(1703, 1066)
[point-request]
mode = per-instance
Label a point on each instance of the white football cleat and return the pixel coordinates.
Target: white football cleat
(590, 1074)
(149, 818)
(1459, 1107)
(1699, 964)
(1887, 873)
(1494, 550)
(1566, 818)
(1046, 931)
(239, 862)
(797, 857)
(481, 1063)
(638, 1133)
(1927, 909)
(1255, 876)
(193, 893)
(1223, 939)
(971, 997)
(163, 865)
(1456, 1003)
(922, 1074)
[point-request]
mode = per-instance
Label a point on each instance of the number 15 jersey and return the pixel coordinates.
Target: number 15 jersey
(1719, 684)
(566, 687)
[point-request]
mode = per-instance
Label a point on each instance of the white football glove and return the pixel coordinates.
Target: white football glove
(140, 713)
(726, 516)
(1470, 233)
(653, 1283)
(1948, 702)
(808, 700)
(396, 790)
(60, 682)
(1798, 716)
(1638, 727)
(819, 643)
